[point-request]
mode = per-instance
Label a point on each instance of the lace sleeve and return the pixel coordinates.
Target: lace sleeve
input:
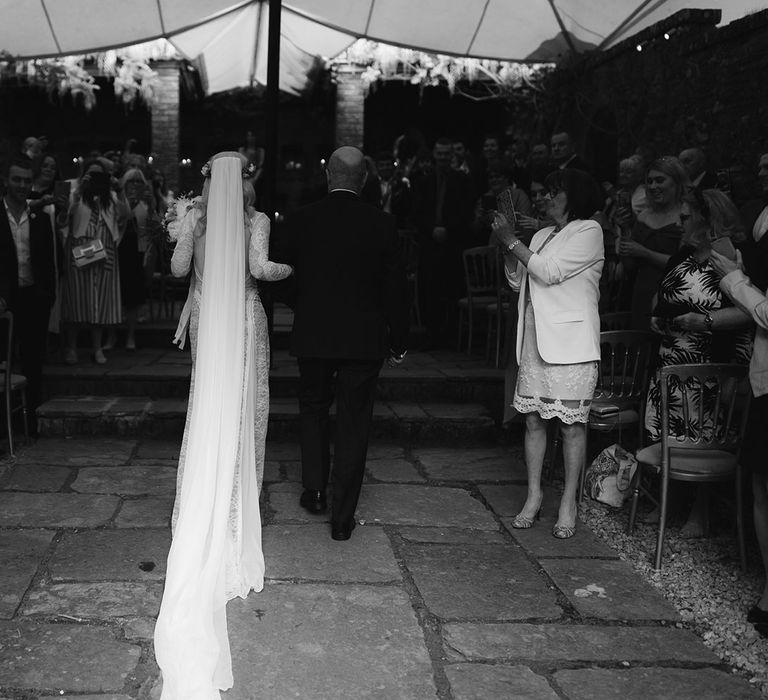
(260, 265)
(185, 244)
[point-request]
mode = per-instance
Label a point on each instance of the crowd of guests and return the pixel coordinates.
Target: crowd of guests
(665, 242)
(77, 255)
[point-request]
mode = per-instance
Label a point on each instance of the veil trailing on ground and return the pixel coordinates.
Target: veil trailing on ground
(191, 643)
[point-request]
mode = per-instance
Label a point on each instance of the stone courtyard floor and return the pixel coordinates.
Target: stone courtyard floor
(434, 596)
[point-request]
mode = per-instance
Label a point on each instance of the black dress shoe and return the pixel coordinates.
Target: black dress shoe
(343, 531)
(313, 501)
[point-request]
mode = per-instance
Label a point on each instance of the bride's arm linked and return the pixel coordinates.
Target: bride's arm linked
(258, 252)
(181, 261)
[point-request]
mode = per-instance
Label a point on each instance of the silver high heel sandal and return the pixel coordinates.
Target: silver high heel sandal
(522, 522)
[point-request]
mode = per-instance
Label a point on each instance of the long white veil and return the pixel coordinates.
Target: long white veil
(191, 643)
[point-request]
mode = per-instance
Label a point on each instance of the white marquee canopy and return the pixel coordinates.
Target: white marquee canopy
(230, 37)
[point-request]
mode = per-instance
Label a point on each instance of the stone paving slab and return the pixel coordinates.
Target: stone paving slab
(384, 451)
(357, 642)
(140, 628)
(423, 505)
(283, 500)
(495, 582)
(393, 470)
(508, 500)
(145, 512)
(483, 682)
(73, 658)
(308, 552)
(56, 509)
(656, 683)
(98, 601)
(104, 555)
(472, 641)
(450, 535)
(159, 449)
(20, 554)
(85, 697)
(133, 481)
(33, 477)
(293, 471)
(79, 451)
(617, 592)
(481, 464)
(539, 541)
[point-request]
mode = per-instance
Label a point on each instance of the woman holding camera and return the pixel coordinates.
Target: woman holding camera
(92, 230)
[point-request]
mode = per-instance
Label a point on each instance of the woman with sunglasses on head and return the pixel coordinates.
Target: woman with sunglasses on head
(696, 321)
(655, 235)
(558, 332)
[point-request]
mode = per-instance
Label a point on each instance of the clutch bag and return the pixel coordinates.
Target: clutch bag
(88, 253)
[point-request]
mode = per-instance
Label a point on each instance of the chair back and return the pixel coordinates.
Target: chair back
(616, 321)
(481, 270)
(704, 406)
(625, 364)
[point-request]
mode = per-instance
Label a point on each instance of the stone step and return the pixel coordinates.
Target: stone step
(164, 373)
(142, 416)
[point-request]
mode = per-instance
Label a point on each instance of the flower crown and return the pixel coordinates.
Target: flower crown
(248, 170)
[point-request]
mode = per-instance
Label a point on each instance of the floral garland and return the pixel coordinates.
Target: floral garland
(249, 170)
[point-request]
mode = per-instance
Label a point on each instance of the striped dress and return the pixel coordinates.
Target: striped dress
(92, 293)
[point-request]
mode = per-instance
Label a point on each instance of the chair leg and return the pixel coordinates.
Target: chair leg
(740, 519)
(583, 471)
(461, 325)
(488, 335)
(469, 334)
(24, 416)
(635, 499)
(8, 419)
(662, 519)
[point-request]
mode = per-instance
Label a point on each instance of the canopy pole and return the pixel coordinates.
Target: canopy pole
(272, 106)
(566, 33)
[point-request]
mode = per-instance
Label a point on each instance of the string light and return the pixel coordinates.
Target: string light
(639, 47)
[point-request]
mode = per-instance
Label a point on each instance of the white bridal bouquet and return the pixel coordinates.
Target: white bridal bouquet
(177, 210)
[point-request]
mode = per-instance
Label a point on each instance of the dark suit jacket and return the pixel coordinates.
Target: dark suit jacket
(351, 294)
(42, 252)
(458, 208)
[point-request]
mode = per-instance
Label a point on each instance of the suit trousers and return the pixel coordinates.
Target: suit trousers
(353, 384)
(30, 317)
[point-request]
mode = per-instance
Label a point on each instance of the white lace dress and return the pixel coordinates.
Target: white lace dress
(189, 254)
(561, 391)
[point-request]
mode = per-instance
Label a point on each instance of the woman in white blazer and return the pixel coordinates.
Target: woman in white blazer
(558, 332)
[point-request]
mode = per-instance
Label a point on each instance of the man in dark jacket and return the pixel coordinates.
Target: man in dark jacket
(351, 313)
(27, 275)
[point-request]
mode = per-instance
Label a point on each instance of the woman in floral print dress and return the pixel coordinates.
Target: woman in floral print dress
(696, 321)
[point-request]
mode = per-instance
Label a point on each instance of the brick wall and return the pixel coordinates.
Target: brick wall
(165, 122)
(703, 87)
(350, 106)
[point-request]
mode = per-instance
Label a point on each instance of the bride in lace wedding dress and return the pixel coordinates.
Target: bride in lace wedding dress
(216, 551)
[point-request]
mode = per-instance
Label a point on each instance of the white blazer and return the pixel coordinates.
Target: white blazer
(563, 284)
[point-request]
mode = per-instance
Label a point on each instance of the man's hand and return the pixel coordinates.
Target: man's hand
(725, 265)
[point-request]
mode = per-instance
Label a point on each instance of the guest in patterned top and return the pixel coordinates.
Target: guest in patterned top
(92, 292)
(695, 318)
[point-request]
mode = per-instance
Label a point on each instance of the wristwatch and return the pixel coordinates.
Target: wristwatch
(708, 320)
(512, 245)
